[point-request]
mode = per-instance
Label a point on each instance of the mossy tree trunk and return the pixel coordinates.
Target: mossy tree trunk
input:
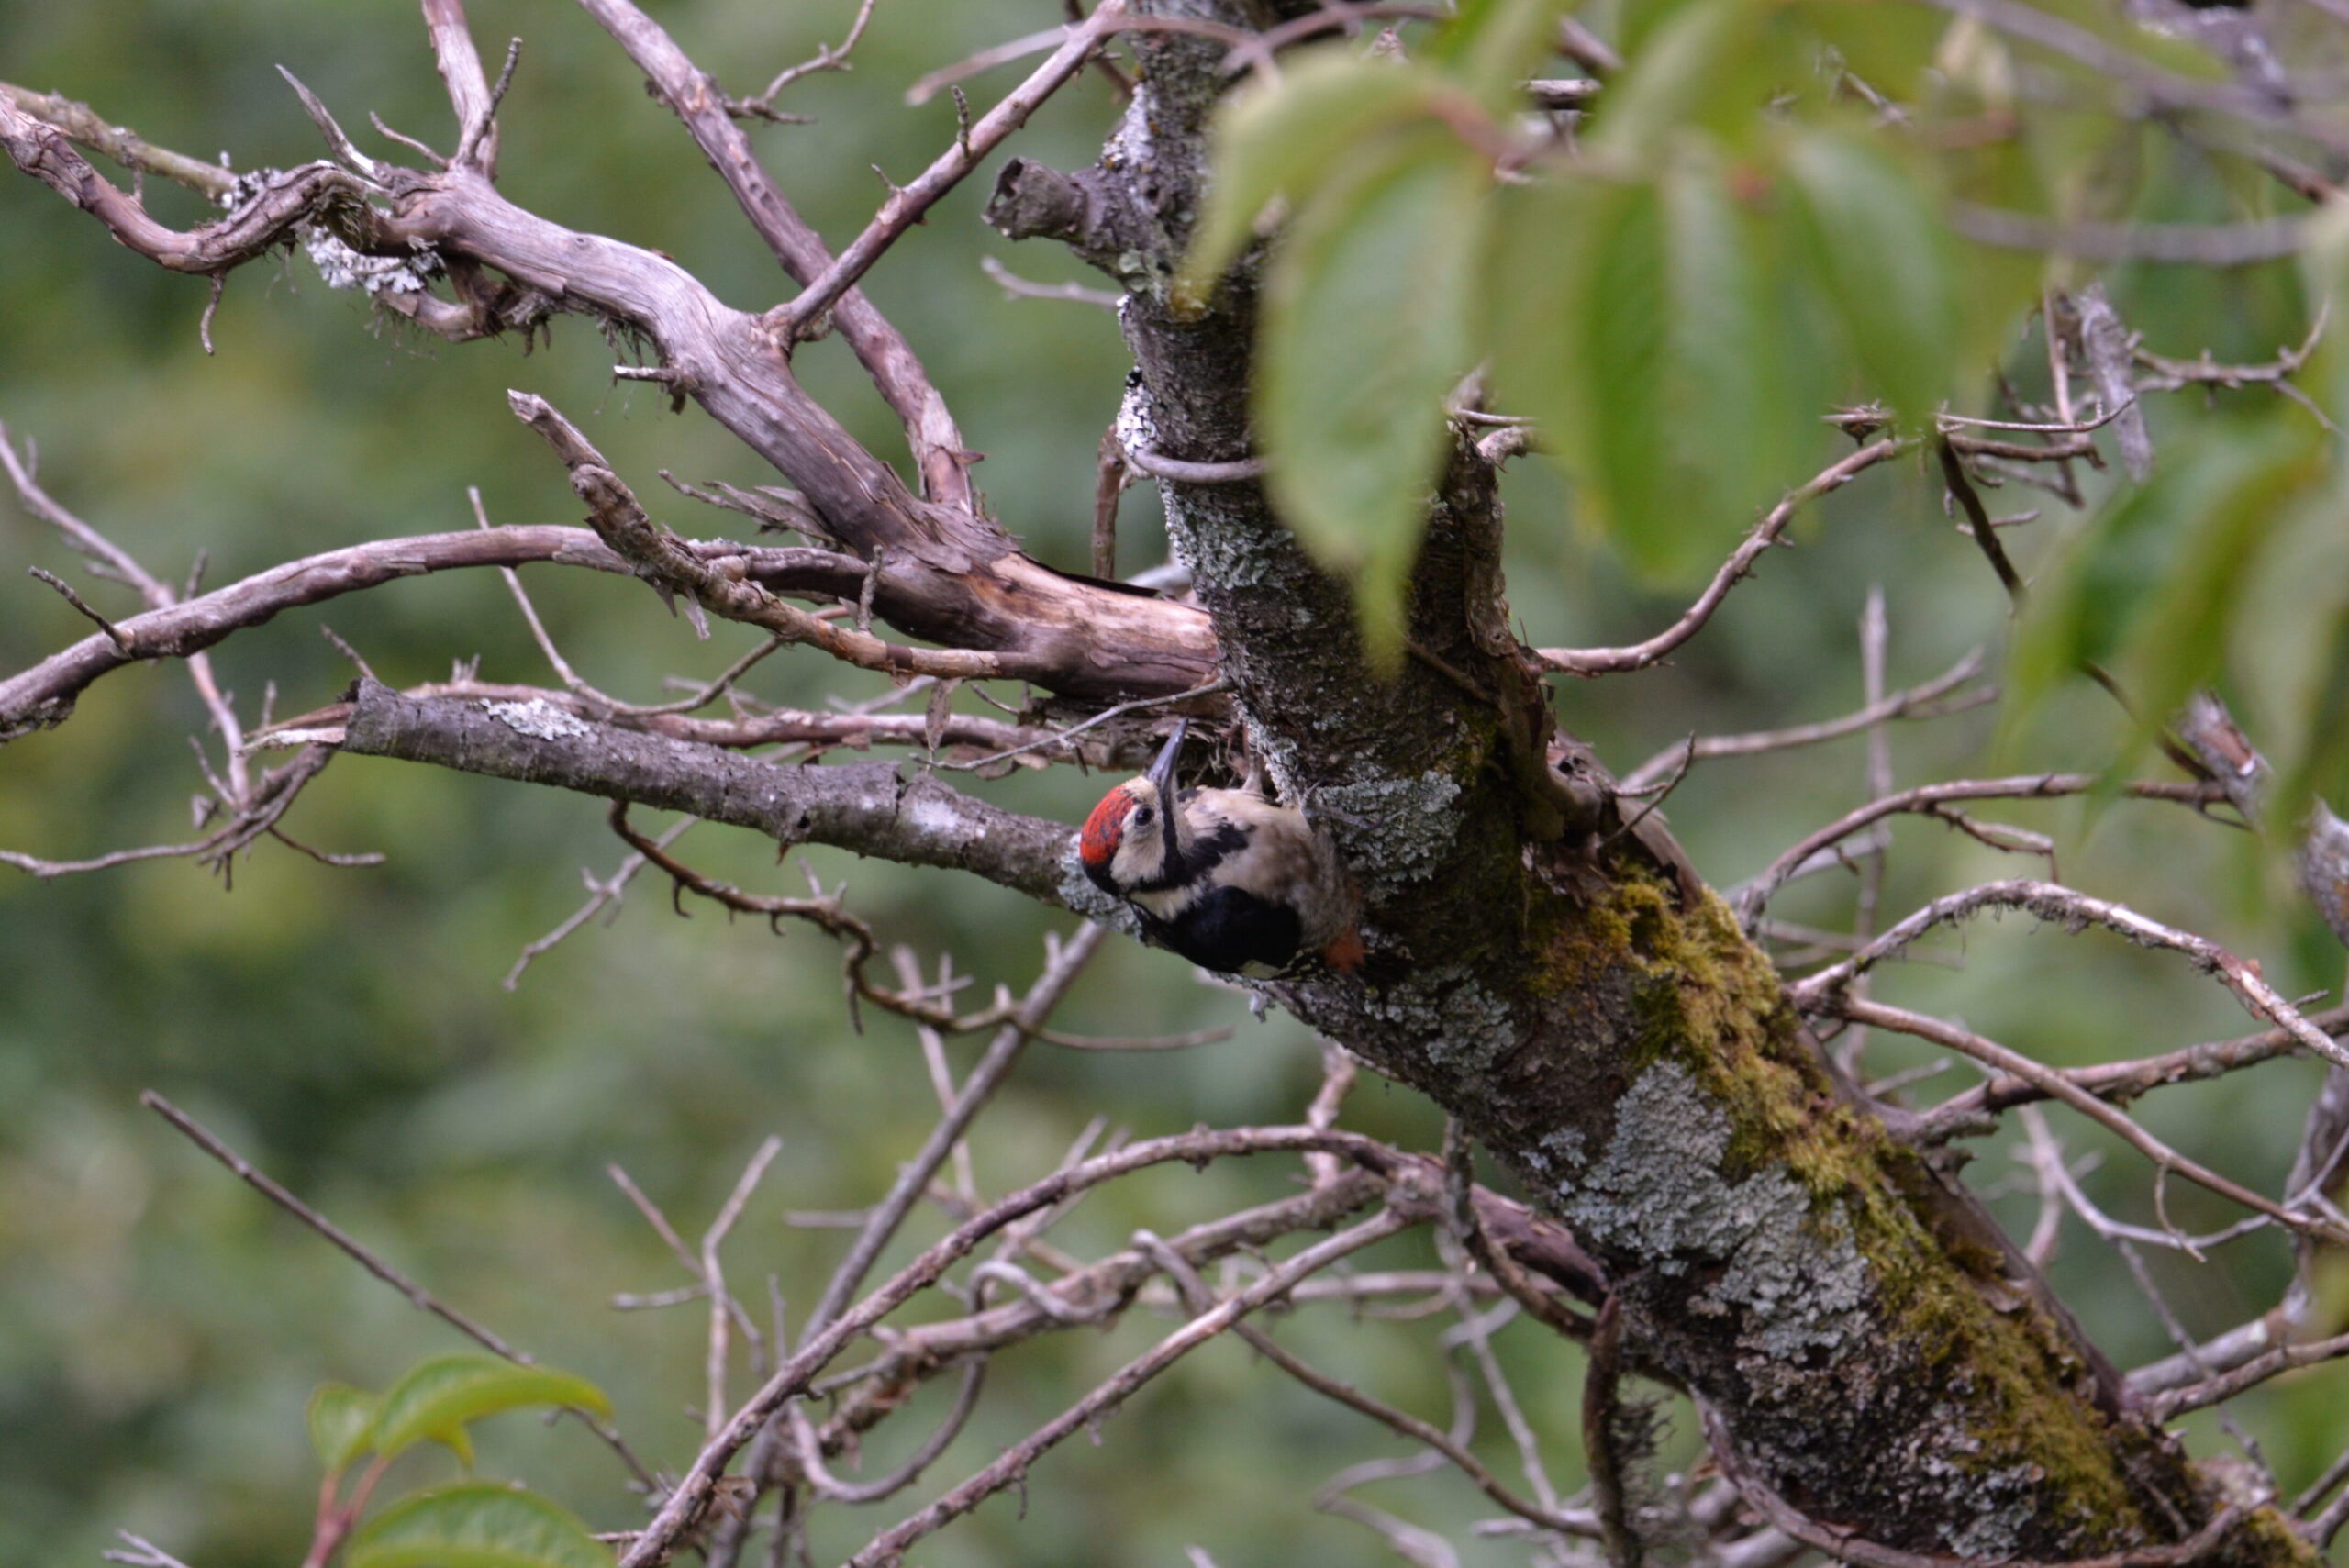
(1874, 1349)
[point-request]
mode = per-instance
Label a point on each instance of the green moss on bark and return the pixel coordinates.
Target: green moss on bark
(1999, 1405)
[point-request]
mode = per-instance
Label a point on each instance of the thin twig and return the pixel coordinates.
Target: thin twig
(2063, 907)
(906, 203)
(1017, 287)
(888, 1548)
(2057, 1086)
(1918, 702)
(1929, 800)
(418, 1296)
(692, 1494)
(1198, 1298)
(1640, 655)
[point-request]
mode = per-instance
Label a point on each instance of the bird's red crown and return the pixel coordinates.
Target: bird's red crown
(1106, 829)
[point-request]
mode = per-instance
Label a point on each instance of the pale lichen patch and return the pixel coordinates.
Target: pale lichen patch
(1461, 1026)
(1793, 1277)
(536, 718)
(1392, 832)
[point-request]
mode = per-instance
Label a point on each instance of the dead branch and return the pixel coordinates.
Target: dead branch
(2060, 906)
(888, 1548)
(1639, 655)
(1929, 799)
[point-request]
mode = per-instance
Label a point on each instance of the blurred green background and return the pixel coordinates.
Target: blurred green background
(161, 1326)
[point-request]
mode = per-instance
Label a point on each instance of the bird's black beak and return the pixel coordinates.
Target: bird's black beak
(1162, 774)
(1161, 771)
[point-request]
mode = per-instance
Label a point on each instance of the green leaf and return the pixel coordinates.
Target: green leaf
(1882, 256)
(2254, 478)
(1493, 45)
(1642, 327)
(436, 1397)
(475, 1525)
(342, 1425)
(2321, 767)
(1364, 332)
(1282, 140)
(2150, 589)
(1709, 63)
(2324, 270)
(1890, 48)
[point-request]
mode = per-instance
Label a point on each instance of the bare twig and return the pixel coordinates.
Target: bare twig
(722, 1307)
(2121, 1082)
(105, 554)
(1061, 737)
(600, 895)
(1923, 701)
(809, 1449)
(2058, 1087)
(687, 1502)
(1199, 1298)
(1640, 655)
(1184, 472)
(2250, 1374)
(888, 1548)
(1600, 1414)
(907, 203)
(2060, 906)
(122, 144)
(418, 1296)
(1003, 1053)
(2183, 244)
(1930, 800)
(142, 1554)
(827, 58)
(929, 85)
(1017, 287)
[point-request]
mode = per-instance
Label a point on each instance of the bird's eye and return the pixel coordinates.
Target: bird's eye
(1142, 816)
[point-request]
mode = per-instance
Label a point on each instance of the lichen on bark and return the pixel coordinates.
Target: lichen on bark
(1874, 1348)
(1878, 1354)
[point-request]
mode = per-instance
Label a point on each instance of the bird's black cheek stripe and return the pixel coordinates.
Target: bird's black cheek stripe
(1204, 853)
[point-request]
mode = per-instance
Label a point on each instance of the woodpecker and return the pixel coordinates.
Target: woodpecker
(1225, 878)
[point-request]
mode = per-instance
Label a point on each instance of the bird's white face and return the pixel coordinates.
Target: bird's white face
(1124, 841)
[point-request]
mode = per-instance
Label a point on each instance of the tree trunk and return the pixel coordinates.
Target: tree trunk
(1874, 1350)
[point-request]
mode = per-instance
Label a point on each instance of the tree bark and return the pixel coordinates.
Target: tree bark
(1876, 1353)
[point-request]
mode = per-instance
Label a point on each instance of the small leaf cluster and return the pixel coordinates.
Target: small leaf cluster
(1749, 227)
(481, 1524)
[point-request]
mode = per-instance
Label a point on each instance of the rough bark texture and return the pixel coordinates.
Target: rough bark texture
(1878, 1354)
(866, 807)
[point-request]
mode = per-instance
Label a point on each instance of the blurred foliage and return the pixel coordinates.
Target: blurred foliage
(161, 1327)
(1742, 232)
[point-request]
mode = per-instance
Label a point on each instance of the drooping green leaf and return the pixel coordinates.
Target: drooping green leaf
(1364, 332)
(436, 1397)
(1884, 260)
(1709, 64)
(342, 1425)
(1889, 48)
(1641, 327)
(2149, 589)
(2324, 274)
(1493, 45)
(2182, 641)
(1283, 139)
(475, 1525)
